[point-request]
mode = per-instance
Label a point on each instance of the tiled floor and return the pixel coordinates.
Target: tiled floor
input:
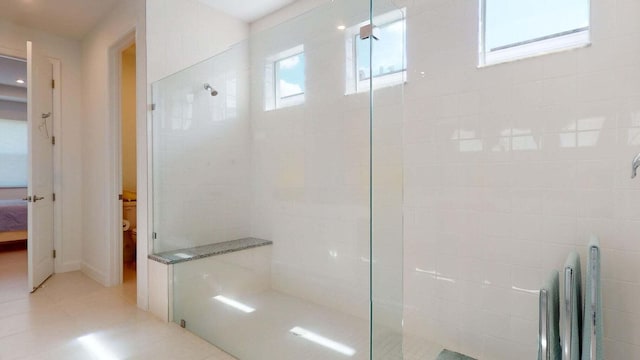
(274, 314)
(73, 317)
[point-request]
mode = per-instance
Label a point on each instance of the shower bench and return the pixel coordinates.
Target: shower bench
(201, 252)
(242, 264)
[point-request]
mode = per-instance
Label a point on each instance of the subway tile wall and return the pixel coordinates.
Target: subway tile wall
(508, 168)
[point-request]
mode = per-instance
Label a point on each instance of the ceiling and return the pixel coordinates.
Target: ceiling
(75, 18)
(12, 70)
(67, 18)
(247, 10)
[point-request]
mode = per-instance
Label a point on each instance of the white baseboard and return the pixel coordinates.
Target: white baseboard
(94, 273)
(69, 266)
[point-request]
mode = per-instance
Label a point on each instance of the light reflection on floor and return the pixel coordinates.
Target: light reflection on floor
(74, 318)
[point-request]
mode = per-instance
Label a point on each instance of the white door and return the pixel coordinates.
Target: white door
(40, 188)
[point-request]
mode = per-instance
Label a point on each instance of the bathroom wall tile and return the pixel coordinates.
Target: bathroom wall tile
(523, 304)
(622, 326)
(506, 169)
(620, 350)
(498, 348)
(625, 23)
(495, 325)
(595, 175)
(496, 274)
(521, 331)
(624, 296)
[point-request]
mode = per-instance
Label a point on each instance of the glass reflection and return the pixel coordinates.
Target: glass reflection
(582, 133)
(436, 275)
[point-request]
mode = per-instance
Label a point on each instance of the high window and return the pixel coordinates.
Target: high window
(285, 79)
(387, 63)
(511, 30)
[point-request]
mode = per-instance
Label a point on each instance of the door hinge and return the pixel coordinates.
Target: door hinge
(153, 107)
(54, 253)
(53, 140)
(155, 235)
(53, 197)
(120, 197)
(53, 83)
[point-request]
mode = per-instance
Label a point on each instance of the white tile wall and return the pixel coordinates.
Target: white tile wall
(310, 167)
(202, 147)
(507, 169)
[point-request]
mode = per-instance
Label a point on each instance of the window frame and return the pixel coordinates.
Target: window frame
(552, 43)
(272, 98)
(354, 84)
(290, 100)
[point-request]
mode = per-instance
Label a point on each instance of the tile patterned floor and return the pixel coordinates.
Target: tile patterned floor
(73, 317)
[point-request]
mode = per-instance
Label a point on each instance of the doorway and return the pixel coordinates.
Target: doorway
(13, 178)
(29, 109)
(127, 97)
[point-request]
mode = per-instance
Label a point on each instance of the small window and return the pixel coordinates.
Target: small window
(13, 153)
(511, 30)
(387, 64)
(285, 79)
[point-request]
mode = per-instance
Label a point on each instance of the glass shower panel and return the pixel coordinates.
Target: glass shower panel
(386, 76)
(300, 142)
(201, 153)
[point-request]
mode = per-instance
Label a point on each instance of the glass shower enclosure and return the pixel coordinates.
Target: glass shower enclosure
(277, 182)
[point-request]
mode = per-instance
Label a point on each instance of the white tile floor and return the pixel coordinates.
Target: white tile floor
(73, 317)
(265, 333)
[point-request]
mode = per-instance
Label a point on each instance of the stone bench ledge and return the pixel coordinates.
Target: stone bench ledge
(200, 252)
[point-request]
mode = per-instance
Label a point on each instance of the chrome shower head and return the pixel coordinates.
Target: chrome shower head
(211, 90)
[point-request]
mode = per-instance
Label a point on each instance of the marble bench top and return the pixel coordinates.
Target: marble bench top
(199, 252)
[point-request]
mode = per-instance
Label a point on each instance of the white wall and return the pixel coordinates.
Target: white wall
(128, 110)
(184, 32)
(287, 13)
(202, 153)
(491, 213)
(203, 32)
(543, 161)
(13, 39)
(98, 145)
(311, 163)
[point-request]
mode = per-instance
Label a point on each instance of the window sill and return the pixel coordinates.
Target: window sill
(535, 49)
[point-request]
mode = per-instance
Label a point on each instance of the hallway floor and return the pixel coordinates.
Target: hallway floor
(73, 317)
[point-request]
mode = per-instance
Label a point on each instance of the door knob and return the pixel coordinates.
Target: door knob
(36, 198)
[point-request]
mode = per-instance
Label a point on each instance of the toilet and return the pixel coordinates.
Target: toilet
(130, 235)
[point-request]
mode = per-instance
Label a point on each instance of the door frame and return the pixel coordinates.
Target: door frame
(115, 245)
(58, 263)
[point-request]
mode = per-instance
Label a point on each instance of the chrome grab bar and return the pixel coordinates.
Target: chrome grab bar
(543, 330)
(569, 280)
